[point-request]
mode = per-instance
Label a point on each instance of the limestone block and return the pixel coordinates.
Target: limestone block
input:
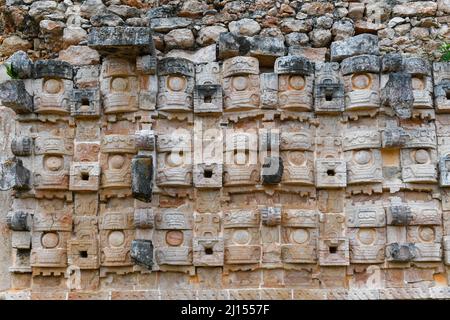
(142, 177)
(241, 83)
(357, 45)
(295, 83)
(19, 221)
(328, 89)
(208, 175)
(14, 95)
(441, 74)
(121, 41)
(85, 103)
(142, 252)
(331, 173)
(265, 49)
(118, 86)
(361, 82)
(144, 218)
(84, 176)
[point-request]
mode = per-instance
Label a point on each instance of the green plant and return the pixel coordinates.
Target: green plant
(11, 72)
(445, 50)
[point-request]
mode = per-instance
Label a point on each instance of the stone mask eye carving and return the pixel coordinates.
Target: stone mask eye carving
(176, 83)
(119, 84)
(361, 81)
(53, 86)
(116, 161)
(421, 156)
(175, 159)
(116, 238)
(418, 83)
(240, 83)
(50, 240)
(363, 157)
(297, 82)
(296, 158)
(53, 163)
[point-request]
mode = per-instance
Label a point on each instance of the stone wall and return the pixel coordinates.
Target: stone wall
(224, 150)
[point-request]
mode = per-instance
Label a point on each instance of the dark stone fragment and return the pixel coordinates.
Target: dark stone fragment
(399, 215)
(392, 62)
(19, 221)
(142, 252)
(272, 171)
(122, 41)
(398, 94)
(265, 49)
(22, 177)
(417, 66)
(22, 146)
(353, 46)
(168, 66)
(53, 69)
(401, 252)
(394, 137)
(164, 11)
(13, 175)
(142, 177)
(442, 89)
(294, 65)
(362, 63)
(14, 96)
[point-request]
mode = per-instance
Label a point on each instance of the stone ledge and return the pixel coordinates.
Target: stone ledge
(239, 294)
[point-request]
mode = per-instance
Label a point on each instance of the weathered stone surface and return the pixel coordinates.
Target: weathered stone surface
(362, 63)
(264, 48)
(142, 252)
(13, 44)
(167, 24)
(398, 94)
(74, 35)
(203, 55)
(79, 55)
(417, 8)
(121, 41)
(401, 252)
(209, 34)
(106, 19)
(40, 9)
(19, 221)
(179, 38)
(357, 45)
(53, 68)
(21, 64)
(207, 94)
(14, 175)
(142, 177)
(244, 27)
(14, 95)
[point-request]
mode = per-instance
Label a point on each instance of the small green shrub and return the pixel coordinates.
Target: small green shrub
(11, 72)
(445, 50)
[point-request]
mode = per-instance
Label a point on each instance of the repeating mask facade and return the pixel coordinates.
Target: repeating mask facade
(312, 171)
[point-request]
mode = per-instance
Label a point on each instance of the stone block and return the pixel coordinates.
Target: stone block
(142, 177)
(142, 252)
(85, 103)
(331, 173)
(14, 95)
(121, 41)
(357, 45)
